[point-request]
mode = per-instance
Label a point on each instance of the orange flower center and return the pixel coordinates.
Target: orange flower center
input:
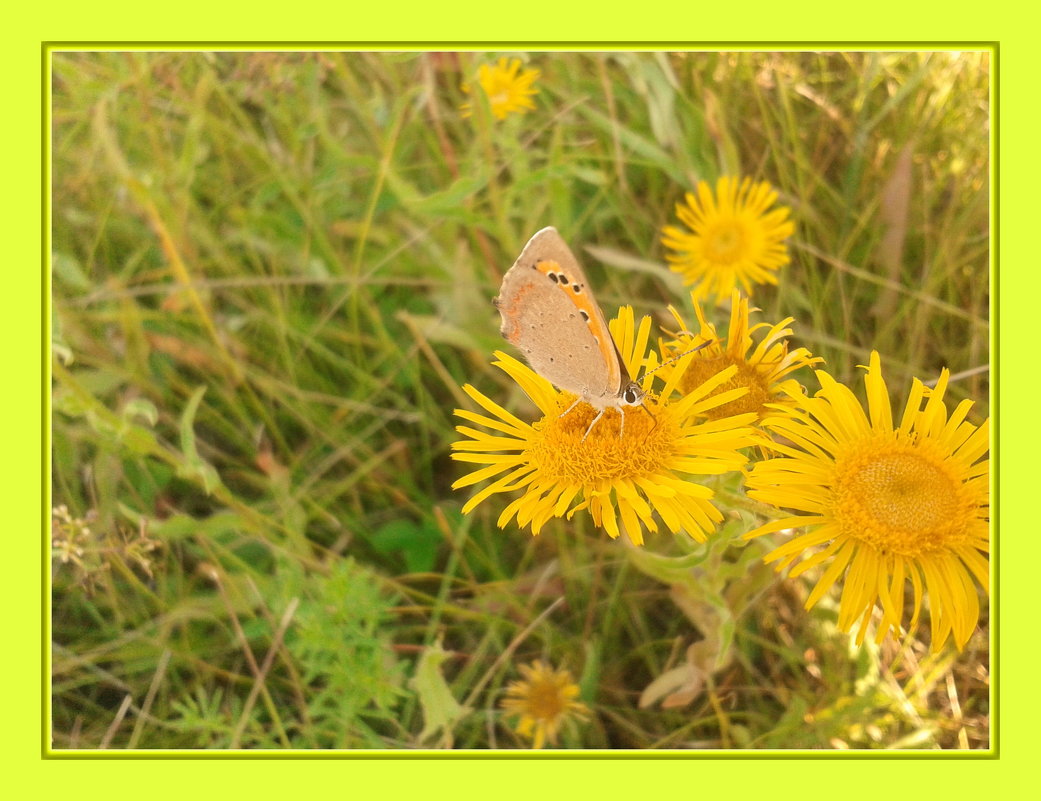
(725, 242)
(565, 453)
(900, 497)
(702, 369)
(546, 700)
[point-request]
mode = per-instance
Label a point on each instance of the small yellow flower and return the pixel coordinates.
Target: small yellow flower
(734, 237)
(622, 480)
(761, 372)
(883, 504)
(544, 700)
(508, 89)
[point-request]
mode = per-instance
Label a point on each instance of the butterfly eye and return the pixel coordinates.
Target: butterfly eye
(631, 395)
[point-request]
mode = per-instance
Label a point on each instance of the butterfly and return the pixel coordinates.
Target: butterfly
(550, 314)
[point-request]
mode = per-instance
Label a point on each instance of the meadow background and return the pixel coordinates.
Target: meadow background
(273, 271)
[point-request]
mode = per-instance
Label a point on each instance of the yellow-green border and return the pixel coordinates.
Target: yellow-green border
(51, 47)
(783, 778)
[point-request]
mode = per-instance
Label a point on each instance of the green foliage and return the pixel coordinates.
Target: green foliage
(272, 272)
(341, 641)
(441, 712)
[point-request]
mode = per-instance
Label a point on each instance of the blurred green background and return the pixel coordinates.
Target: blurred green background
(273, 271)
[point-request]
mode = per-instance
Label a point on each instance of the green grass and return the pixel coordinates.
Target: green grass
(273, 272)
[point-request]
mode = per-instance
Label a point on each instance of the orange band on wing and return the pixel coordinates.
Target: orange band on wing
(511, 316)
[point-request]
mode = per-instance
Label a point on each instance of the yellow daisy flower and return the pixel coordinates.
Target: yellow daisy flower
(733, 237)
(508, 89)
(621, 480)
(761, 372)
(544, 700)
(886, 503)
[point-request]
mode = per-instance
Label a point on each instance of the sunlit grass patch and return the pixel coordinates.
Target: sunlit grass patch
(272, 277)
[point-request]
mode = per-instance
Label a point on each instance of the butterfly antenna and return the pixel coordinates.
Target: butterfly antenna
(677, 357)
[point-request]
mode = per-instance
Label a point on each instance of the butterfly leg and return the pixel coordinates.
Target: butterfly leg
(570, 408)
(601, 414)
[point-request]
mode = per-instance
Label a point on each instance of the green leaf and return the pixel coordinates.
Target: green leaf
(416, 542)
(195, 467)
(177, 527)
(441, 712)
(67, 269)
(142, 408)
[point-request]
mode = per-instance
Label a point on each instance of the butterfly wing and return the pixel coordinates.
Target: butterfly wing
(549, 312)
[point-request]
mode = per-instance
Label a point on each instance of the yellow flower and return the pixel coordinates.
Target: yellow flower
(733, 238)
(508, 89)
(621, 480)
(544, 700)
(761, 372)
(883, 504)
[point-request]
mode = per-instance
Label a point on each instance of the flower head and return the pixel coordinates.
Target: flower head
(733, 237)
(544, 700)
(621, 480)
(883, 503)
(762, 371)
(508, 89)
